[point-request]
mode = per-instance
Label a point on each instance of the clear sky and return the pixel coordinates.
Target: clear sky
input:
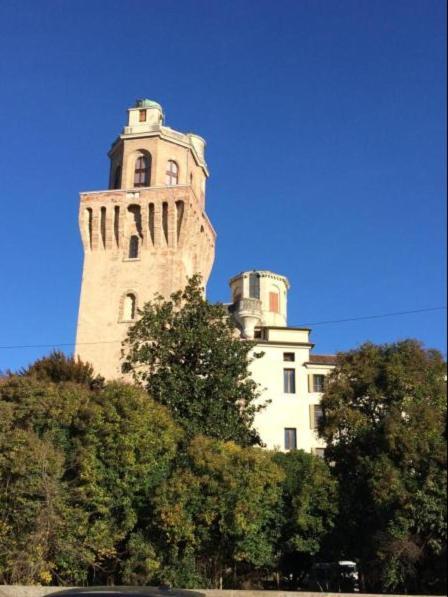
(325, 124)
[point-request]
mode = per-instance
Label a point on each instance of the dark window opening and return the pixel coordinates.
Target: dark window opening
(117, 177)
(289, 356)
(142, 115)
(290, 438)
(289, 381)
(254, 286)
(133, 247)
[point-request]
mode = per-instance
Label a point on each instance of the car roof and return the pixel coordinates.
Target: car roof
(124, 592)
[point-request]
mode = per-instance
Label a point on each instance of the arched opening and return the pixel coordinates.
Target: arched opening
(129, 307)
(179, 216)
(142, 170)
(89, 225)
(117, 225)
(151, 220)
(103, 226)
(133, 247)
(165, 220)
(172, 173)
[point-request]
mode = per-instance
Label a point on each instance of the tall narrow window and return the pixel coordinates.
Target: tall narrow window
(151, 221)
(179, 216)
(172, 173)
(103, 226)
(290, 438)
(274, 303)
(316, 415)
(133, 247)
(129, 307)
(142, 171)
(165, 220)
(117, 177)
(254, 286)
(289, 381)
(142, 115)
(117, 225)
(89, 226)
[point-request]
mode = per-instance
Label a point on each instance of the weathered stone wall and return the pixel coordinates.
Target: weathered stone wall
(175, 240)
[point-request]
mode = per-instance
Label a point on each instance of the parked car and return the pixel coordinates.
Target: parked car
(336, 577)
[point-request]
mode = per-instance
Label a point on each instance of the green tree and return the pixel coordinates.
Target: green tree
(77, 472)
(384, 423)
(187, 355)
(58, 367)
(308, 511)
(218, 514)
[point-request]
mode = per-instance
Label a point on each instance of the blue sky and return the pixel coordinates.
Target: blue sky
(325, 123)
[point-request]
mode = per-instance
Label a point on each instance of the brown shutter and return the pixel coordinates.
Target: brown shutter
(274, 302)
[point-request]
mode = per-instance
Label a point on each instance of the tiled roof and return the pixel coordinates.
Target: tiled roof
(323, 359)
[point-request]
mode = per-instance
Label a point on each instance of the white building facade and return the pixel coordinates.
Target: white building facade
(290, 377)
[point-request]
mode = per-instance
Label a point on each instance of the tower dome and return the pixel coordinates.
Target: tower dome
(147, 103)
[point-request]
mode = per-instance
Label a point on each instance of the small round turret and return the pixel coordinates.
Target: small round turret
(259, 299)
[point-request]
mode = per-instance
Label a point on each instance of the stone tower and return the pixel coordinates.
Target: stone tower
(146, 234)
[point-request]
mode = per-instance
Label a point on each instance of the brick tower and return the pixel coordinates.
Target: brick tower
(144, 235)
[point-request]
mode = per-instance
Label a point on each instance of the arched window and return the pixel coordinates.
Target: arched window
(172, 173)
(142, 171)
(129, 307)
(133, 247)
(117, 177)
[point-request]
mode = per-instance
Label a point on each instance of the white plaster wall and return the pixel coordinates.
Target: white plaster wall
(285, 410)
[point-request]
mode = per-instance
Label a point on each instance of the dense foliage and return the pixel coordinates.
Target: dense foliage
(106, 483)
(100, 485)
(77, 469)
(384, 422)
(186, 353)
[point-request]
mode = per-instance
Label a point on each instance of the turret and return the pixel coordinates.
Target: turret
(259, 298)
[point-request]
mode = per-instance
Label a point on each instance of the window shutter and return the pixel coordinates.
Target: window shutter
(310, 383)
(274, 306)
(311, 416)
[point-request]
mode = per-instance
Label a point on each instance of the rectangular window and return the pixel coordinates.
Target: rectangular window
(289, 356)
(315, 415)
(142, 115)
(319, 452)
(254, 286)
(290, 438)
(318, 383)
(257, 334)
(289, 381)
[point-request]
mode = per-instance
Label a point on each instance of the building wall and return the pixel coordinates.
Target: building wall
(286, 410)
